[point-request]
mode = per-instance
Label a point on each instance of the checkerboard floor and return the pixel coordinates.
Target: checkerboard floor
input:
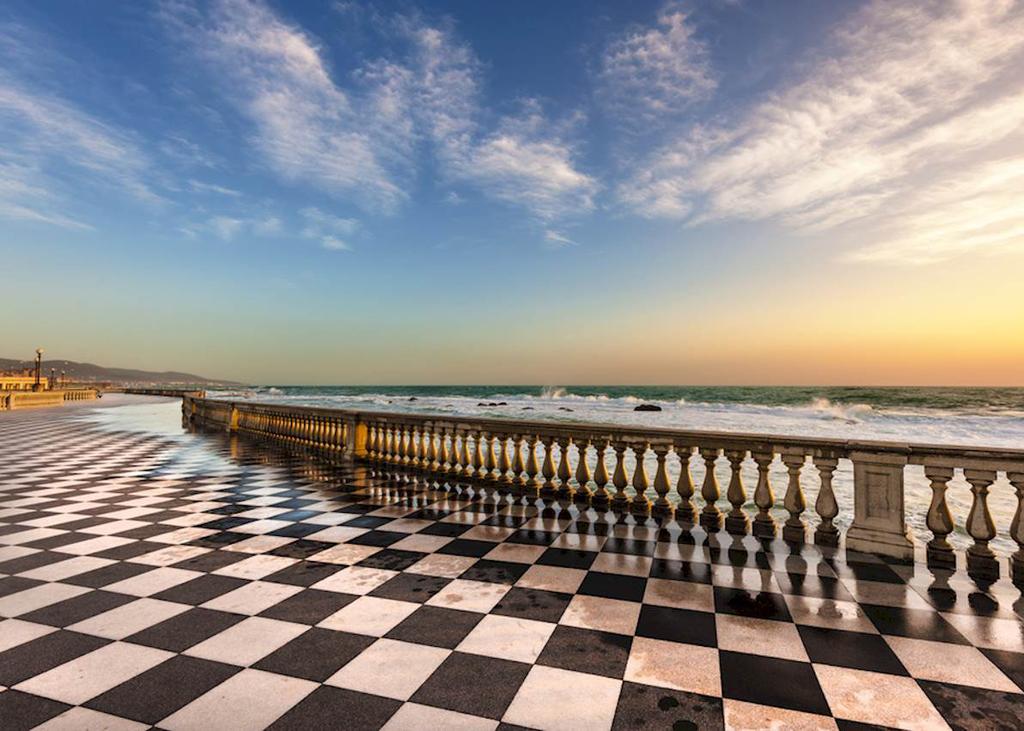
(149, 578)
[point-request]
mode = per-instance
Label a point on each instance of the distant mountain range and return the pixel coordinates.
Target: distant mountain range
(79, 372)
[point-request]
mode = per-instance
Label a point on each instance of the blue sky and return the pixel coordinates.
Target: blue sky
(529, 191)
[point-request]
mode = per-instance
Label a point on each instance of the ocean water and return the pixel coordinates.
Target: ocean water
(991, 417)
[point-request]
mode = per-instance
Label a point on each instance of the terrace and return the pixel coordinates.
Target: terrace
(296, 568)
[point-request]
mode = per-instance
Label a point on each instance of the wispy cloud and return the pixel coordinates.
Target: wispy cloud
(528, 162)
(906, 96)
(201, 187)
(557, 240)
(649, 75)
(49, 143)
(333, 232)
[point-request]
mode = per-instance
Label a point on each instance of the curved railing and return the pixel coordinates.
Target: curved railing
(609, 465)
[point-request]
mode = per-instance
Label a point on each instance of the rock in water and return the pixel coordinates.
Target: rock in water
(647, 407)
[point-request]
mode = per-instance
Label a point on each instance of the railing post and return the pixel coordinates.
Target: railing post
(879, 523)
(794, 530)
(736, 522)
(939, 553)
(981, 560)
(825, 505)
(356, 441)
(233, 418)
(1017, 530)
(710, 516)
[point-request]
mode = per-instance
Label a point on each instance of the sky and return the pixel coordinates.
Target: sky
(695, 192)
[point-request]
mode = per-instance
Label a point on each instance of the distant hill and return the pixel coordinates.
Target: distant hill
(79, 372)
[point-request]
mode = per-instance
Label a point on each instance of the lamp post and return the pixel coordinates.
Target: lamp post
(39, 370)
(53, 378)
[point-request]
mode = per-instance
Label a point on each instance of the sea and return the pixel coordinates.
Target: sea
(990, 417)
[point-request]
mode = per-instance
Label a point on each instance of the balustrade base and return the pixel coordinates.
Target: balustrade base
(737, 525)
(870, 540)
(940, 557)
(1017, 571)
(640, 507)
(982, 566)
(662, 510)
(582, 496)
(711, 522)
(794, 533)
(826, 537)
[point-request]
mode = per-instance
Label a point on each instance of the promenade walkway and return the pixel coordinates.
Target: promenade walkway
(188, 581)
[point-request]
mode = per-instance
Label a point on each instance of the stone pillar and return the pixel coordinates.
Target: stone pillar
(879, 523)
(1017, 530)
(981, 559)
(939, 521)
(825, 505)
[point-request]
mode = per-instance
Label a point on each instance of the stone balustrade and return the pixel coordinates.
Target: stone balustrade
(168, 392)
(10, 400)
(611, 466)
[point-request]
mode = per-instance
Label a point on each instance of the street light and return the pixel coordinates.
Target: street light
(39, 369)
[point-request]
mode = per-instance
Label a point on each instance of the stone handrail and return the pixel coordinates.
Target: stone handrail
(535, 458)
(168, 392)
(10, 400)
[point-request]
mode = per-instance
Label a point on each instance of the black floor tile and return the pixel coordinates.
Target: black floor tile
(225, 523)
(587, 651)
(436, 626)
(367, 521)
(378, 538)
(967, 709)
(129, 551)
(411, 587)
(301, 548)
(446, 530)
(631, 546)
(315, 655)
(537, 604)
(677, 625)
(162, 690)
(824, 587)
(613, 586)
(181, 632)
(850, 650)
(532, 537)
(31, 561)
(219, 540)
(465, 547)
(77, 608)
(22, 711)
(309, 606)
(495, 572)
(200, 589)
(482, 686)
(760, 605)
(1011, 663)
(921, 624)
(692, 571)
(303, 573)
(646, 708)
(329, 707)
(45, 653)
(391, 559)
(567, 558)
(14, 584)
(209, 562)
(98, 578)
(296, 530)
(771, 682)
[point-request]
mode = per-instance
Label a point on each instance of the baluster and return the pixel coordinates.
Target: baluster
(686, 511)
(532, 468)
(662, 508)
(981, 560)
(583, 493)
(736, 522)
(405, 442)
(389, 443)
(490, 463)
(564, 468)
(442, 452)
(467, 462)
(1017, 530)
(414, 447)
(794, 530)
(478, 455)
(453, 458)
(517, 461)
(640, 505)
(601, 497)
(764, 498)
(620, 500)
(939, 552)
(504, 465)
(548, 488)
(825, 505)
(710, 516)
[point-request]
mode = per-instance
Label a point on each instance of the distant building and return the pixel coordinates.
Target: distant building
(17, 381)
